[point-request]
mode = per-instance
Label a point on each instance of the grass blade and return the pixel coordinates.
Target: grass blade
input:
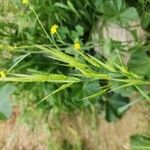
(40, 78)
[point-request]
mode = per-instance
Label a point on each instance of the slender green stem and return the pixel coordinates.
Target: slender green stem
(60, 39)
(32, 9)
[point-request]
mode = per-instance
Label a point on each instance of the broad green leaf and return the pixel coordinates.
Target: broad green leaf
(113, 104)
(91, 87)
(139, 142)
(80, 30)
(128, 15)
(5, 106)
(81, 90)
(145, 20)
(122, 109)
(140, 63)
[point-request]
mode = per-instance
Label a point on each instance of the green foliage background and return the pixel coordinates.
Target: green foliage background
(59, 77)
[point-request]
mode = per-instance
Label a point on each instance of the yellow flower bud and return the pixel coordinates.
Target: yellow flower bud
(77, 46)
(2, 74)
(54, 29)
(26, 2)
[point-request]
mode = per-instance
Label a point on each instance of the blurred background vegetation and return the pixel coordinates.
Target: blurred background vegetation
(117, 32)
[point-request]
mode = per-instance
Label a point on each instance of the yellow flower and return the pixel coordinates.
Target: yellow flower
(26, 2)
(2, 74)
(54, 29)
(77, 46)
